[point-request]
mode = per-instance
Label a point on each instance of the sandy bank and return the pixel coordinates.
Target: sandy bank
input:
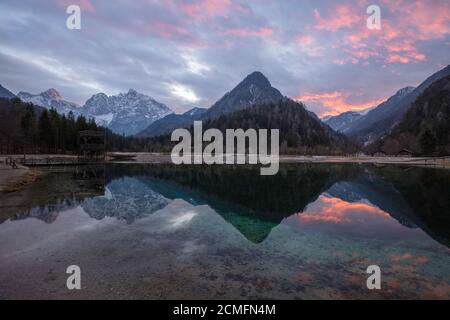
(12, 180)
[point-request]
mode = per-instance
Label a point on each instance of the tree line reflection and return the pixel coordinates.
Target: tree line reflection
(253, 204)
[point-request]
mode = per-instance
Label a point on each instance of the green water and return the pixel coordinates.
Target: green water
(184, 232)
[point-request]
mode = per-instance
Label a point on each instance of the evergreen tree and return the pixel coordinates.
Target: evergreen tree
(27, 120)
(428, 142)
(45, 134)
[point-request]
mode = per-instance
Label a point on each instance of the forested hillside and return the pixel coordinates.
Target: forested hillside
(425, 128)
(300, 132)
(25, 127)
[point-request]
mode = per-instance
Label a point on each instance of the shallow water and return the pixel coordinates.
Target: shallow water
(166, 232)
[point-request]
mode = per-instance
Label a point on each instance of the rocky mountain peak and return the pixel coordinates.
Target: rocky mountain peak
(132, 92)
(258, 79)
(127, 113)
(254, 89)
(52, 94)
(49, 99)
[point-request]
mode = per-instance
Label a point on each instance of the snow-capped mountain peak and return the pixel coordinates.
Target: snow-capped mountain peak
(49, 99)
(125, 113)
(52, 94)
(342, 121)
(98, 104)
(132, 92)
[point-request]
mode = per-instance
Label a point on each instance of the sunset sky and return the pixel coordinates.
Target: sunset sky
(189, 53)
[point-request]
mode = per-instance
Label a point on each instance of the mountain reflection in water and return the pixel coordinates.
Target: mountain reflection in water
(226, 232)
(254, 204)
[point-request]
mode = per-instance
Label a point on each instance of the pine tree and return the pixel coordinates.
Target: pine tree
(428, 142)
(45, 133)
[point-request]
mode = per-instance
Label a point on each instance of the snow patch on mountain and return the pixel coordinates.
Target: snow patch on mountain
(195, 111)
(125, 113)
(131, 112)
(104, 119)
(343, 121)
(49, 99)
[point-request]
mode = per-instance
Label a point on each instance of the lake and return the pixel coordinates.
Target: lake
(159, 231)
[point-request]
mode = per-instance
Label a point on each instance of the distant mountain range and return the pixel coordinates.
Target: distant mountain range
(125, 113)
(366, 128)
(133, 113)
(382, 119)
(254, 103)
(425, 128)
(49, 99)
(254, 89)
(344, 121)
(172, 122)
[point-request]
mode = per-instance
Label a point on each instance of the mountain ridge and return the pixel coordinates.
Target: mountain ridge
(125, 113)
(385, 116)
(5, 93)
(365, 128)
(172, 122)
(49, 99)
(424, 129)
(255, 88)
(300, 131)
(343, 121)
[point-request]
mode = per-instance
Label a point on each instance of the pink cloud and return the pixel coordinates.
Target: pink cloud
(421, 19)
(404, 25)
(173, 32)
(244, 32)
(165, 30)
(343, 16)
(85, 5)
(335, 210)
(205, 9)
(336, 102)
(304, 39)
(406, 58)
(339, 62)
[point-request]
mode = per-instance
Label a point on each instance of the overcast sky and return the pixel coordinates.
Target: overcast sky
(190, 53)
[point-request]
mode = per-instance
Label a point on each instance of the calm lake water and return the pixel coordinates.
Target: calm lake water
(197, 232)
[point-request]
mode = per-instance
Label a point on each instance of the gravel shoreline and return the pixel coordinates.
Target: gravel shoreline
(12, 180)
